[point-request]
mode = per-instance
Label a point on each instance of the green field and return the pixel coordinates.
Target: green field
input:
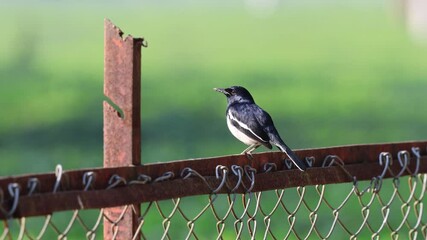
(330, 74)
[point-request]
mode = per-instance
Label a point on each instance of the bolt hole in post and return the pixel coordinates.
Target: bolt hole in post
(119, 111)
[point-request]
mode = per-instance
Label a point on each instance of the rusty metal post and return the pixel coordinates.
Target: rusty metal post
(122, 127)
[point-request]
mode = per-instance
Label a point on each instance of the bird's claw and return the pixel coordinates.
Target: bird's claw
(249, 156)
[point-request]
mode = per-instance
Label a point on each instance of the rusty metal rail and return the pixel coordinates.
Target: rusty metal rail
(358, 161)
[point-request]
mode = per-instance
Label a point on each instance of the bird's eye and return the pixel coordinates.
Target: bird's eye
(230, 91)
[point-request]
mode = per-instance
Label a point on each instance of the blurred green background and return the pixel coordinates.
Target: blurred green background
(329, 72)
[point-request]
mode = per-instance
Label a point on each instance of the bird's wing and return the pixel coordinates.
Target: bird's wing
(265, 120)
(243, 117)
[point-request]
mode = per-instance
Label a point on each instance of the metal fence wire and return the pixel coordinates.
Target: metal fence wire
(389, 207)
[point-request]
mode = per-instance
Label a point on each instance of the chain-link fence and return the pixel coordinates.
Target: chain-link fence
(390, 204)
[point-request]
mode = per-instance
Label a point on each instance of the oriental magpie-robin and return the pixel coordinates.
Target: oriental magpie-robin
(252, 125)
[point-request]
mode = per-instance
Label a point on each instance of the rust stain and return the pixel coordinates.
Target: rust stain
(118, 42)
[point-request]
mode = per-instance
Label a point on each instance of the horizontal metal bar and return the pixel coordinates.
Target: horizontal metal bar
(360, 161)
(43, 204)
(73, 180)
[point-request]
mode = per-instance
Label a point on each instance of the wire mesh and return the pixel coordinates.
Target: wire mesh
(382, 207)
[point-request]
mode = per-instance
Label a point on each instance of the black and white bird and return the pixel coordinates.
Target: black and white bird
(252, 125)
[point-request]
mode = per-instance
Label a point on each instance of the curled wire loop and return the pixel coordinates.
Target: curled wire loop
(32, 185)
(58, 173)
(269, 167)
(288, 163)
(88, 180)
(403, 158)
(141, 179)
(384, 156)
(166, 176)
(416, 152)
(384, 159)
(14, 191)
(330, 160)
(250, 174)
(115, 180)
(221, 172)
(238, 171)
(189, 172)
(310, 161)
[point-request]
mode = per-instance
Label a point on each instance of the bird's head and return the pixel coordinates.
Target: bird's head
(236, 94)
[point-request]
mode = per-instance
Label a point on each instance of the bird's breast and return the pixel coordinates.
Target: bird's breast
(239, 134)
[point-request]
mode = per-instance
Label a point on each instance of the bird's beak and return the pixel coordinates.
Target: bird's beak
(221, 90)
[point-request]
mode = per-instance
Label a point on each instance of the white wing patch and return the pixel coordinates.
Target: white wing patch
(238, 134)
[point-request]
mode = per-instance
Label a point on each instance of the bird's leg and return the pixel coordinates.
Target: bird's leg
(251, 148)
(248, 151)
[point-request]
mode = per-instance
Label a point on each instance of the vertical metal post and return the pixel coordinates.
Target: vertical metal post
(122, 127)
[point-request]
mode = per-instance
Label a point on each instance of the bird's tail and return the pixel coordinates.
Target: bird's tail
(284, 148)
